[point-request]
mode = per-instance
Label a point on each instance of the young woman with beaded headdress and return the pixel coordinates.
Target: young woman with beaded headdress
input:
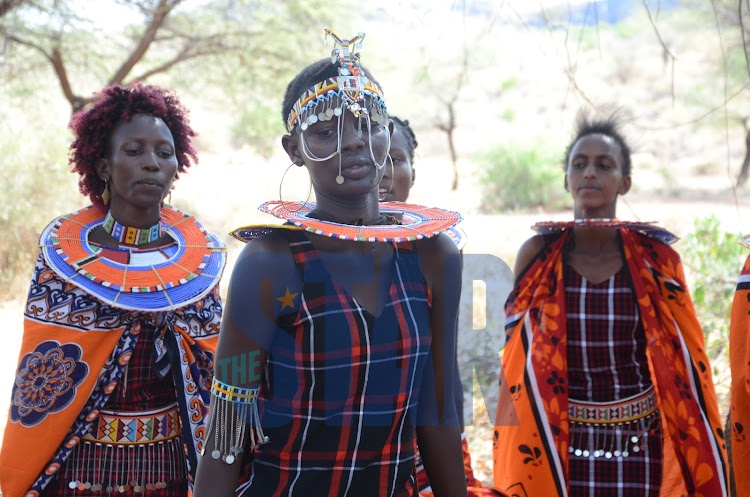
(122, 317)
(606, 387)
(331, 356)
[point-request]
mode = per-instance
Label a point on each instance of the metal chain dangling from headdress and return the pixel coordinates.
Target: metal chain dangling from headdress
(350, 90)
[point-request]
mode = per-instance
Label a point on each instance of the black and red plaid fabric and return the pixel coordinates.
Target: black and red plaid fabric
(140, 391)
(606, 363)
(341, 386)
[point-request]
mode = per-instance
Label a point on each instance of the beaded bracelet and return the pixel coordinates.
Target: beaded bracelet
(232, 410)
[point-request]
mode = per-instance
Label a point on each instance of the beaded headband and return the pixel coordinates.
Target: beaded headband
(349, 90)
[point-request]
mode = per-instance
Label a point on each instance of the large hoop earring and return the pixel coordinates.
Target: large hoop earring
(390, 188)
(309, 190)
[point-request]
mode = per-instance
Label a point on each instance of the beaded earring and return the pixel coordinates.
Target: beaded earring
(105, 194)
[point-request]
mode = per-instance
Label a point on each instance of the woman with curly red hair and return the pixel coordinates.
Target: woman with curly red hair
(122, 317)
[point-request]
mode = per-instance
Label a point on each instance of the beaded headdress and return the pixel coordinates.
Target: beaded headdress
(351, 89)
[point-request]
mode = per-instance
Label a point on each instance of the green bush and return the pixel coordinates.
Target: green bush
(713, 259)
(36, 186)
(521, 179)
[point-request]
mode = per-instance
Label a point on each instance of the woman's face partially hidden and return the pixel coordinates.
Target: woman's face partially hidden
(399, 177)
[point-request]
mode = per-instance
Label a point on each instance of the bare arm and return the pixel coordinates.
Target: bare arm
(439, 432)
(526, 254)
(247, 330)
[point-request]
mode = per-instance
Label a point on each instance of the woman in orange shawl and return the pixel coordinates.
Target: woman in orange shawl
(122, 317)
(739, 415)
(606, 387)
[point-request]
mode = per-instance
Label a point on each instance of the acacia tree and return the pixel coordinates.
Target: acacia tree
(445, 71)
(159, 36)
(731, 21)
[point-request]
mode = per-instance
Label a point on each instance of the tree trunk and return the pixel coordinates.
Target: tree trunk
(745, 171)
(452, 144)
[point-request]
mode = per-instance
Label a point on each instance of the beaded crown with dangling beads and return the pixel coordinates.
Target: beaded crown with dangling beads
(349, 89)
(328, 99)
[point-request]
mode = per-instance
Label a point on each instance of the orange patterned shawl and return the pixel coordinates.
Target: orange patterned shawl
(73, 353)
(531, 455)
(739, 347)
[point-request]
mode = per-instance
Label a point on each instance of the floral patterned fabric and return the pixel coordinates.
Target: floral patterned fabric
(739, 341)
(531, 438)
(73, 354)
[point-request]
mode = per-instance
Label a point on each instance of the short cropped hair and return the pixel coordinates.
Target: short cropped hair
(609, 125)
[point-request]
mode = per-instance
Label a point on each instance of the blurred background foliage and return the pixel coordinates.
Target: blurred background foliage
(713, 257)
(522, 178)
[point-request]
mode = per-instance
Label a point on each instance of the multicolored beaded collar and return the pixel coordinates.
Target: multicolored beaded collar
(648, 228)
(417, 222)
(129, 235)
(185, 272)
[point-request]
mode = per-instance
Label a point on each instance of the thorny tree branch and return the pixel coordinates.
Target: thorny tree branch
(742, 32)
(664, 46)
(58, 65)
(158, 15)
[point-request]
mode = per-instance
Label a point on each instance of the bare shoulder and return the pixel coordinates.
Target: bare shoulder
(528, 251)
(263, 271)
(268, 254)
(436, 247)
(440, 257)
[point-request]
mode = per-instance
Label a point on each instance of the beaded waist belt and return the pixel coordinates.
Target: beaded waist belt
(123, 451)
(135, 428)
(622, 411)
(612, 429)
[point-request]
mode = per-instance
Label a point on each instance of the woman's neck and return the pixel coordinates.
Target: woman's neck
(136, 217)
(361, 211)
(595, 240)
(609, 212)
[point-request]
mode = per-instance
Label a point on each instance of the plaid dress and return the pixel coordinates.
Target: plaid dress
(341, 385)
(606, 364)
